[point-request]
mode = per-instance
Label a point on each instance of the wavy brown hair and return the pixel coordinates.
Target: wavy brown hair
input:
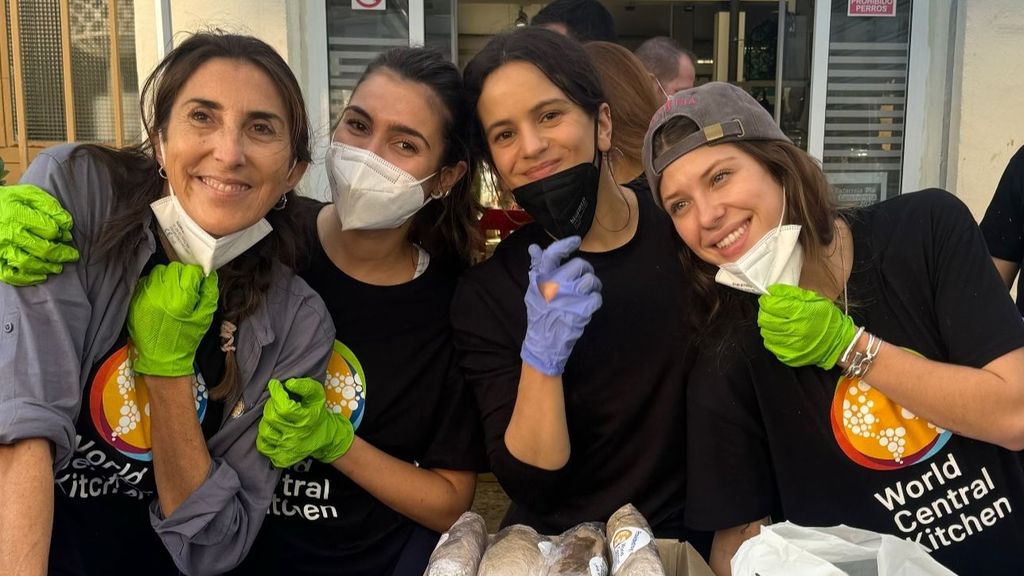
(631, 96)
(244, 282)
(809, 202)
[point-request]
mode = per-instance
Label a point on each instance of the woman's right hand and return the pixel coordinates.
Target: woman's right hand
(171, 311)
(35, 235)
(560, 301)
(297, 423)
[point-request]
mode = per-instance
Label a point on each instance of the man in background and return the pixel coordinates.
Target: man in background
(583, 20)
(673, 67)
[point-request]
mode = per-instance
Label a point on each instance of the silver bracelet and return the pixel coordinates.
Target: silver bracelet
(862, 361)
(853, 343)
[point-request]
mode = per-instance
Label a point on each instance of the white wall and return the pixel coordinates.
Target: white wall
(987, 112)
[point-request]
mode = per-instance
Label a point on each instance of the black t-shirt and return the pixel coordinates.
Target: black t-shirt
(101, 521)
(393, 374)
(809, 446)
(1003, 224)
(624, 382)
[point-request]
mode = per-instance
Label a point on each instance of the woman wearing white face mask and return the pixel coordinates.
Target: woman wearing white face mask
(134, 380)
(387, 459)
(877, 380)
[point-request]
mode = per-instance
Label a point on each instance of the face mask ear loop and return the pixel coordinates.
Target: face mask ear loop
(163, 161)
(778, 236)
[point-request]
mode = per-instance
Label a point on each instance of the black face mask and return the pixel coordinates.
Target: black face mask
(564, 203)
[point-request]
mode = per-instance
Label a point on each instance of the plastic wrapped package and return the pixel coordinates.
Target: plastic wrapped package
(460, 549)
(516, 550)
(631, 544)
(580, 552)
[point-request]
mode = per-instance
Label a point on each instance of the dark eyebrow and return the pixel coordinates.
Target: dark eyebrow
(399, 128)
(254, 115)
(536, 108)
(715, 165)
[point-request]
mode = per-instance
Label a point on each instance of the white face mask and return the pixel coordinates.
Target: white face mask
(369, 192)
(192, 244)
(777, 258)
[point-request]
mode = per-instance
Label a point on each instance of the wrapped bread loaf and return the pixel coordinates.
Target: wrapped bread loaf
(631, 544)
(459, 550)
(580, 552)
(516, 551)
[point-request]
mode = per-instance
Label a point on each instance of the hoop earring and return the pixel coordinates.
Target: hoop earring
(161, 172)
(282, 202)
(439, 194)
(606, 159)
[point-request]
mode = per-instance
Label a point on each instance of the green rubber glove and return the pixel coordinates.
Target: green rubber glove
(35, 235)
(171, 311)
(802, 327)
(297, 423)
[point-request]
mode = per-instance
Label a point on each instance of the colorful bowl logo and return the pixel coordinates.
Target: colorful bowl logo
(346, 384)
(119, 406)
(878, 433)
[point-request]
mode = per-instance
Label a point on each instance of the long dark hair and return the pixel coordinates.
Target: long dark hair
(446, 228)
(561, 59)
(245, 281)
(809, 202)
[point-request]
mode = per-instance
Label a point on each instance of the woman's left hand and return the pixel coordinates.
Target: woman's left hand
(802, 327)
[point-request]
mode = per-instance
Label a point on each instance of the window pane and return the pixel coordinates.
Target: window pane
(437, 25)
(355, 37)
(41, 69)
(90, 74)
(865, 104)
(10, 66)
(132, 132)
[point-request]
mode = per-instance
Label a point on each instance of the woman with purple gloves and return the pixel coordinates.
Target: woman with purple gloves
(581, 390)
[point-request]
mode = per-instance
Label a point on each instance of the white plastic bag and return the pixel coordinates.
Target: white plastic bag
(791, 550)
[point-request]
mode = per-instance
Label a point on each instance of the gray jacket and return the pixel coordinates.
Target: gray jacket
(53, 333)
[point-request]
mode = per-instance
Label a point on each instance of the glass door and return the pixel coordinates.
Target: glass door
(765, 47)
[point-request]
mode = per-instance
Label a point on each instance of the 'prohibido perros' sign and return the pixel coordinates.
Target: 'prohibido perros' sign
(871, 8)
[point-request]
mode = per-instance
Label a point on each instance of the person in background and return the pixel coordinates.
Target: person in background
(387, 458)
(582, 402)
(581, 20)
(673, 67)
(135, 378)
(1003, 224)
(632, 100)
(863, 367)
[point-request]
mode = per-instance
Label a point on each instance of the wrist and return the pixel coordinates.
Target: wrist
(860, 355)
(857, 345)
(543, 365)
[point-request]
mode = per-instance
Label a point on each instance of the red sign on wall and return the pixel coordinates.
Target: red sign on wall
(871, 8)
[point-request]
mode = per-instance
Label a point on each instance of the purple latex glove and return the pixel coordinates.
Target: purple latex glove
(560, 300)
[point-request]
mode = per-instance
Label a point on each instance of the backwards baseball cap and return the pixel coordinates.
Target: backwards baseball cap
(722, 113)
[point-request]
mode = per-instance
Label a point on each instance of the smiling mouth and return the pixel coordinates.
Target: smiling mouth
(232, 188)
(733, 237)
(542, 170)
